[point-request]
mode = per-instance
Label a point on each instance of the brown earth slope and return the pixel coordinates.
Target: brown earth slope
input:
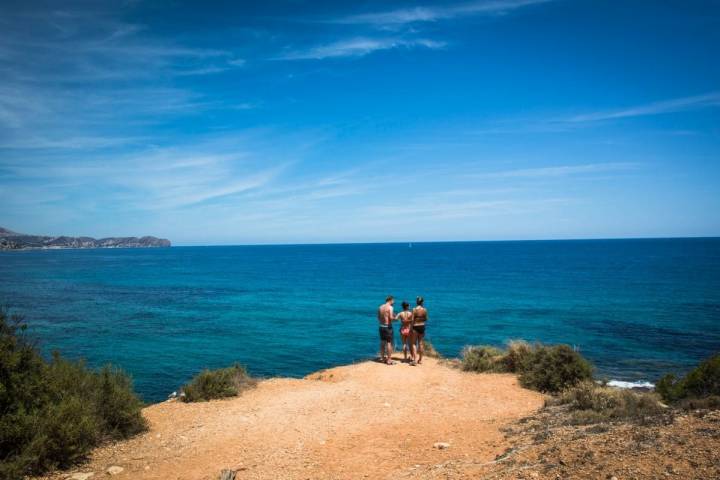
(366, 420)
(683, 445)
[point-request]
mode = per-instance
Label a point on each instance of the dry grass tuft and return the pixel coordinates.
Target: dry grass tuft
(221, 383)
(592, 403)
(430, 350)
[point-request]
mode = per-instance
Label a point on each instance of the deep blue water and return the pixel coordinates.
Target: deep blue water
(636, 308)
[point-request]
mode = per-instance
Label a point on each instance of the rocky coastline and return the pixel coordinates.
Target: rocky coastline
(10, 240)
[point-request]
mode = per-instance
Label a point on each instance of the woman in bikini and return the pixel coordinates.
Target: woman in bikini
(405, 318)
(418, 319)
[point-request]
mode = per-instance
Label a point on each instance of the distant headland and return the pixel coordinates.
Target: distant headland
(10, 240)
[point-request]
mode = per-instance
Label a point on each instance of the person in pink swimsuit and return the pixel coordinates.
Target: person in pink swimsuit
(405, 318)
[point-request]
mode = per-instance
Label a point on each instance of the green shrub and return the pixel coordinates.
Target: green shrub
(555, 368)
(221, 383)
(118, 406)
(544, 368)
(593, 403)
(483, 359)
(519, 356)
(668, 388)
(703, 382)
(53, 413)
(67, 431)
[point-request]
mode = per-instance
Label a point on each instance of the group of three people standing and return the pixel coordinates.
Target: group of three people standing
(412, 330)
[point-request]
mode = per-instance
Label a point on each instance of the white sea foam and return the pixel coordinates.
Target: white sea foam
(622, 384)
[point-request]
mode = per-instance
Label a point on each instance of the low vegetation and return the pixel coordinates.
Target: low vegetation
(53, 413)
(700, 388)
(593, 403)
(546, 368)
(483, 358)
(554, 369)
(221, 383)
(429, 350)
(563, 372)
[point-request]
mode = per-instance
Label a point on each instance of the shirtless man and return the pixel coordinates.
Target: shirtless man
(385, 318)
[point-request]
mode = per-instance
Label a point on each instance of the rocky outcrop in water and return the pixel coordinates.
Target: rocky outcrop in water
(10, 240)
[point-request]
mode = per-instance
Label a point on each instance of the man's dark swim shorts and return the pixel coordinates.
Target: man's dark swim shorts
(386, 333)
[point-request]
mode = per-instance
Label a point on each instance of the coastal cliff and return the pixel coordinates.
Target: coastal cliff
(370, 420)
(366, 420)
(10, 240)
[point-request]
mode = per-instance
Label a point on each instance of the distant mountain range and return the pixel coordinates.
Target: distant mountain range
(10, 240)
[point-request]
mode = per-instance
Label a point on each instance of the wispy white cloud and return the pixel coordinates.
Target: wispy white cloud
(559, 171)
(69, 142)
(186, 193)
(237, 62)
(434, 13)
(83, 78)
(244, 106)
(558, 123)
(408, 212)
(58, 46)
(172, 177)
(682, 104)
(357, 47)
(46, 112)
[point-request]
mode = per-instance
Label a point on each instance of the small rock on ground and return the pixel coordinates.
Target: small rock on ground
(114, 470)
(81, 476)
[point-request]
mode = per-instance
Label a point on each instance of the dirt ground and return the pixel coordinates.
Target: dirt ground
(366, 420)
(675, 445)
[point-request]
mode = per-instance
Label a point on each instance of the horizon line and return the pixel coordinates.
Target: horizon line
(569, 239)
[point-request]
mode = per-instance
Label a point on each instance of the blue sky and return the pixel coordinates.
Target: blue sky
(293, 122)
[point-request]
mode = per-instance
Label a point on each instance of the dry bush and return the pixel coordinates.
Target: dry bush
(429, 350)
(221, 383)
(518, 356)
(483, 359)
(592, 403)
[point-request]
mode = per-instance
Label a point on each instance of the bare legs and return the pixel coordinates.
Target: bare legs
(413, 346)
(421, 346)
(406, 346)
(417, 348)
(389, 347)
(386, 351)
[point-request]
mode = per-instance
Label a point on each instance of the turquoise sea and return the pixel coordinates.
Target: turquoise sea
(636, 308)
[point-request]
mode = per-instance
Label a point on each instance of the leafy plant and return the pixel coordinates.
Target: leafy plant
(703, 382)
(541, 367)
(552, 369)
(221, 383)
(53, 413)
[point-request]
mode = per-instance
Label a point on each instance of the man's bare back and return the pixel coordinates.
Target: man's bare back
(385, 314)
(385, 318)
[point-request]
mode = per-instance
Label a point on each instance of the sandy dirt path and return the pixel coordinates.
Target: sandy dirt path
(366, 420)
